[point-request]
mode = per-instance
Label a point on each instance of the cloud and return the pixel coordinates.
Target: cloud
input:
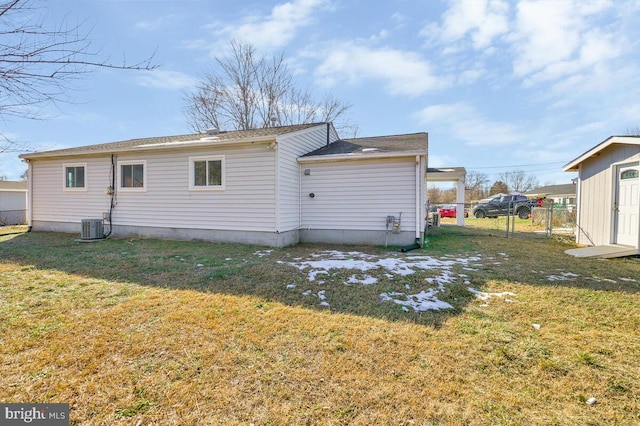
(555, 39)
(463, 122)
(481, 21)
(402, 72)
(154, 24)
(278, 28)
(170, 80)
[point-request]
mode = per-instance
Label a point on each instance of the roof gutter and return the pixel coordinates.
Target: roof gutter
(360, 156)
(149, 147)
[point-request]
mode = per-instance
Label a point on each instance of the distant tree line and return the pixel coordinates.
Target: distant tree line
(479, 186)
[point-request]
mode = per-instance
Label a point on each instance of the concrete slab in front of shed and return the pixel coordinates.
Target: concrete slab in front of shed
(608, 251)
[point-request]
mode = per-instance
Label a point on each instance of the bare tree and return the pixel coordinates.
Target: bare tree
(435, 195)
(519, 181)
(633, 131)
(247, 90)
(39, 62)
(474, 184)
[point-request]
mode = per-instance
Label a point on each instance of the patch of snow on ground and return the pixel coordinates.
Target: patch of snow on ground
(323, 298)
(393, 267)
(627, 279)
(263, 253)
(367, 280)
(445, 278)
(420, 302)
(564, 276)
(364, 263)
(486, 296)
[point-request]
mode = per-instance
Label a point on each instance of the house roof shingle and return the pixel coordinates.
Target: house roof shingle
(564, 189)
(223, 137)
(374, 145)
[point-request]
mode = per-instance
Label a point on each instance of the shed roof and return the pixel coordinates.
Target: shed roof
(166, 142)
(12, 185)
(572, 166)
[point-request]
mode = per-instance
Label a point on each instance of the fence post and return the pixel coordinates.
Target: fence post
(507, 218)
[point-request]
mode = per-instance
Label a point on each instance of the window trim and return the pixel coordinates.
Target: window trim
(192, 185)
(143, 188)
(64, 178)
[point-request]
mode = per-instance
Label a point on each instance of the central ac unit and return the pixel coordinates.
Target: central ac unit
(92, 229)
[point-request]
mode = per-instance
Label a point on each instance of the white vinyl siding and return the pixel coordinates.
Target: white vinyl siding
(359, 195)
(596, 196)
(290, 147)
(247, 204)
(51, 202)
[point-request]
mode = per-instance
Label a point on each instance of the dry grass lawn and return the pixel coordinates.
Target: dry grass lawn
(141, 332)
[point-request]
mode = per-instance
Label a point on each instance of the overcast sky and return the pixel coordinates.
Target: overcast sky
(498, 85)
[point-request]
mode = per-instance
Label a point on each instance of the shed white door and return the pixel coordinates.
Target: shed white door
(627, 206)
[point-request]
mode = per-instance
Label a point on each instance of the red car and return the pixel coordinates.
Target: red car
(450, 211)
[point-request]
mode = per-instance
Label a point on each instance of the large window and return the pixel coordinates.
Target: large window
(207, 172)
(74, 176)
(132, 175)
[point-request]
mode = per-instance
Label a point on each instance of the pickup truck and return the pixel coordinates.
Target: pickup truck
(499, 206)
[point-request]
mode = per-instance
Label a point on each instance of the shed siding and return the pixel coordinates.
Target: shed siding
(359, 195)
(290, 147)
(247, 203)
(597, 180)
(13, 207)
(13, 200)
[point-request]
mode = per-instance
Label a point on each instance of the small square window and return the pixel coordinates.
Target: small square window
(207, 172)
(132, 176)
(74, 176)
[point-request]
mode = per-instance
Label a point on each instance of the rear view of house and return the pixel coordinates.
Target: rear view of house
(276, 187)
(608, 195)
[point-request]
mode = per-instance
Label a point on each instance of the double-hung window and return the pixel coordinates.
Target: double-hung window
(133, 175)
(207, 173)
(74, 177)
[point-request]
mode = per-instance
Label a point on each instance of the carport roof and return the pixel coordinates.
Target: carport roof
(445, 174)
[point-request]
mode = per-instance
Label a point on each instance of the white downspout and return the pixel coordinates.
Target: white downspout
(30, 193)
(418, 197)
(299, 199)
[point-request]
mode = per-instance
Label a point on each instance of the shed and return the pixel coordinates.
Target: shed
(608, 192)
(13, 202)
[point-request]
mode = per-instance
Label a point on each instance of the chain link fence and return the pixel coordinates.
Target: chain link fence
(546, 221)
(555, 219)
